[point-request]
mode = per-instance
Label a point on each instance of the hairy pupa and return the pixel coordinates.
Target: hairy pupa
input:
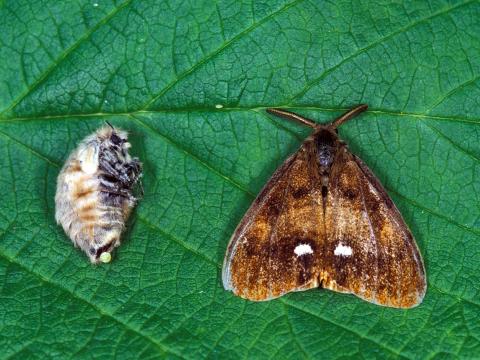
(95, 192)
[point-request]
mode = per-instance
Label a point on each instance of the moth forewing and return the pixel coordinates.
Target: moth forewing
(95, 192)
(261, 202)
(323, 219)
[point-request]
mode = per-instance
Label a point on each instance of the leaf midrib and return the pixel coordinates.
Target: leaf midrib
(413, 116)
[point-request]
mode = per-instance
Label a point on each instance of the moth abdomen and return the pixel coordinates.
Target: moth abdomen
(95, 192)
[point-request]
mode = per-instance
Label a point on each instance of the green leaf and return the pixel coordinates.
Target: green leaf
(159, 69)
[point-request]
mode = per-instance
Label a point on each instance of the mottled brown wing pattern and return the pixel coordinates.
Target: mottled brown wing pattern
(369, 250)
(273, 249)
(323, 219)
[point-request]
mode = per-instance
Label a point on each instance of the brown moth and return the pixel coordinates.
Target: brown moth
(324, 220)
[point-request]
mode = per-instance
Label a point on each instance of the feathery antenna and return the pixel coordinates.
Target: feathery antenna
(310, 123)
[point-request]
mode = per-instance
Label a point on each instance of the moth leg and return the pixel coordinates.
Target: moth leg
(109, 168)
(118, 193)
(126, 173)
(133, 171)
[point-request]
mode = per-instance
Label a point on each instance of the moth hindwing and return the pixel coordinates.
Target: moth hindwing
(324, 220)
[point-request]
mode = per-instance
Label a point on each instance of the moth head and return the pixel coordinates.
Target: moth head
(327, 133)
(114, 139)
(325, 137)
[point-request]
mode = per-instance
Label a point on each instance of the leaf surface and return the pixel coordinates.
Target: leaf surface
(191, 82)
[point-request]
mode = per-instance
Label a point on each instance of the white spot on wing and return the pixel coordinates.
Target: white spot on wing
(343, 250)
(303, 249)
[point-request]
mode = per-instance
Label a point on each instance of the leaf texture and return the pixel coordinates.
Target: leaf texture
(159, 70)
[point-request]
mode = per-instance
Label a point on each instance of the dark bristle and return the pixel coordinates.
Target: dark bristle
(108, 123)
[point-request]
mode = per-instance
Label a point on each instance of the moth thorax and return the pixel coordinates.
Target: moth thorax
(325, 142)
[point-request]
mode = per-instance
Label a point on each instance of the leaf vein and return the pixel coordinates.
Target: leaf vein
(102, 312)
(453, 92)
(211, 55)
(64, 55)
(361, 336)
(373, 44)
